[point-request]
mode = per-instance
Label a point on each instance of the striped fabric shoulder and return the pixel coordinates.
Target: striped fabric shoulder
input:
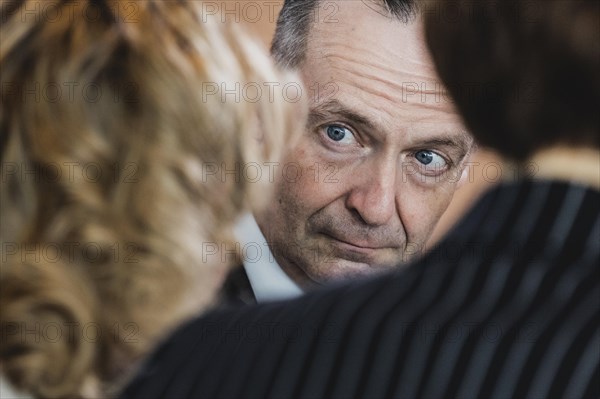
(508, 305)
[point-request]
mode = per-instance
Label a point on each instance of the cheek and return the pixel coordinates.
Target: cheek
(421, 209)
(296, 198)
(308, 183)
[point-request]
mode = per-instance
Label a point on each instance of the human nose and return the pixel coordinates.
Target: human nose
(373, 197)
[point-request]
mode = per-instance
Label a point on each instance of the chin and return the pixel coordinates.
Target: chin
(341, 270)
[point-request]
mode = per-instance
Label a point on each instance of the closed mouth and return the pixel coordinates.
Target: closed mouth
(362, 247)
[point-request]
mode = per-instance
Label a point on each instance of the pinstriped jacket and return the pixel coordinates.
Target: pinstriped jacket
(507, 305)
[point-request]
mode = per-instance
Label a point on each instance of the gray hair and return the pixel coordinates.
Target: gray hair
(293, 25)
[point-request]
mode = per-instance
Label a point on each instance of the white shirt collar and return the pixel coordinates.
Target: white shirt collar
(8, 391)
(269, 282)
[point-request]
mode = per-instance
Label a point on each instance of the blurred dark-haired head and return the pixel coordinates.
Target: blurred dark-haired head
(524, 74)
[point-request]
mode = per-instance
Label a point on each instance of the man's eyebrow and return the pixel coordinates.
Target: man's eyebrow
(337, 108)
(462, 141)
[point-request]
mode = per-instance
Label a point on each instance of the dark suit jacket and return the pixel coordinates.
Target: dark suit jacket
(507, 305)
(236, 290)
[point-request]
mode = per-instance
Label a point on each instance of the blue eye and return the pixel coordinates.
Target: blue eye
(430, 160)
(425, 157)
(337, 133)
(337, 137)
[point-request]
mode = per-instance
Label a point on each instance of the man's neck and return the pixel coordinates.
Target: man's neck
(579, 165)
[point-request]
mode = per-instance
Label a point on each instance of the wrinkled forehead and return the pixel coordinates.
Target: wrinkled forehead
(377, 64)
(366, 24)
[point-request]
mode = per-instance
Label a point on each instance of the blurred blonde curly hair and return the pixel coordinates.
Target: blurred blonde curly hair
(109, 127)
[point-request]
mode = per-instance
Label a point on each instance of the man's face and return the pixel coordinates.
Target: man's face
(381, 156)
